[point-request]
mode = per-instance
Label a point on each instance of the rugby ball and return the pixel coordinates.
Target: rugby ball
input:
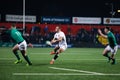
(48, 43)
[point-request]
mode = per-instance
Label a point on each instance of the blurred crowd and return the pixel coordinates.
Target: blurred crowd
(82, 37)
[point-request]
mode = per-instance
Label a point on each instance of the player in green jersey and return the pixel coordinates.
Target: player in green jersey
(21, 44)
(112, 44)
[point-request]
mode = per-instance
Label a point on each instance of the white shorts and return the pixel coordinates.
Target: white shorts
(64, 47)
(22, 45)
(112, 50)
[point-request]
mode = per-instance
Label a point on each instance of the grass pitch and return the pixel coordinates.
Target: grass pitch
(73, 64)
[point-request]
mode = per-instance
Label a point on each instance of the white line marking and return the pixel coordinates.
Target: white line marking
(61, 74)
(86, 53)
(48, 59)
(39, 53)
(7, 58)
(75, 70)
(60, 59)
(62, 54)
(87, 59)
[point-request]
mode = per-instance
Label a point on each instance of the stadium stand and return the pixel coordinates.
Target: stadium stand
(77, 35)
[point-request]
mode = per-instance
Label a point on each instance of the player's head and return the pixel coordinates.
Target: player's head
(57, 29)
(13, 26)
(107, 29)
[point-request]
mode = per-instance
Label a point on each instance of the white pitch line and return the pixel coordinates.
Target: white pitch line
(61, 74)
(75, 70)
(86, 59)
(87, 52)
(60, 59)
(48, 59)
(63, 54)
(7, 58)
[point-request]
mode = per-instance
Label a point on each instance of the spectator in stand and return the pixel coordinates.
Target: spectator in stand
(68, 29)
(35, 30)
(46, 29)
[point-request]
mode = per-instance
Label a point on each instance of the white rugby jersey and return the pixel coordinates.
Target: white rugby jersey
(58, 35)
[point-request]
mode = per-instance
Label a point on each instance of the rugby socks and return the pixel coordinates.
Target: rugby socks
(55, 50)
(27, 59)
(113, 61)
(106, 55)
(56, 56)
(16, 54)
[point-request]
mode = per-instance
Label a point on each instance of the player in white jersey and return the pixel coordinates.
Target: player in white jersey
(60, 40)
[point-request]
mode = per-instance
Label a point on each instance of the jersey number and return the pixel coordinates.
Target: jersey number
(18, 33)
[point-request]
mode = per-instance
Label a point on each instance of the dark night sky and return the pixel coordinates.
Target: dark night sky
(84, 8)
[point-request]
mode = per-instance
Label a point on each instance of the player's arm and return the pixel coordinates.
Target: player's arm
(100, 32)
(53, 41)
(59, 39)
(29, 44)
(56, 40)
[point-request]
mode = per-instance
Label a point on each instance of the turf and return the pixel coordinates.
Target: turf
(85, 59)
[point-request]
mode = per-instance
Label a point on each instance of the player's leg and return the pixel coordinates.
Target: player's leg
(60, 50)
(105, 53)
(15, 49)
(113, 51)
(113, 59)
(23, 48)
(55, 50)
(26, 57)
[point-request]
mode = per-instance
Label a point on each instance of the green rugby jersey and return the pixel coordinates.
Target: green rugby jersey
(16, 35)
(111, 39)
